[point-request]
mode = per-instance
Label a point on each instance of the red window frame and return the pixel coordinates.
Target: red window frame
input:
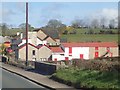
(108, 49)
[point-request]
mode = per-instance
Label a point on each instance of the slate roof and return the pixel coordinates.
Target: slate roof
(52, 33)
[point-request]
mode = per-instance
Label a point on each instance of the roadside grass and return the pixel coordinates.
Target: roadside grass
(80, 36)
(89, 78)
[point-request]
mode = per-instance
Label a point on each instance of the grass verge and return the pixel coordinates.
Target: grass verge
(87, 78)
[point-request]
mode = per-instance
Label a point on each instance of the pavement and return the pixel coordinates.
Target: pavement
(37, 78)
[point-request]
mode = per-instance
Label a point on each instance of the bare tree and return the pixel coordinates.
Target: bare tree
(95, 23)
(4, 29)
(22, 26)
(102, 22)
(112, 24)
(77, 23)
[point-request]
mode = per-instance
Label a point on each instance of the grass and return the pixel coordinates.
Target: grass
(90, 78)
(81, 37)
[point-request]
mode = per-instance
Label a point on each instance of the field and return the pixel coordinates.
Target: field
(80, 36)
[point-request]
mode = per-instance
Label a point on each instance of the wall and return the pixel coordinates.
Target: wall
(44, 53)
(44, 68)
(22, 53)
(76, 51)
(24, 41)
(58, 56)
(51, 41)
(102, 51)
(41, 42)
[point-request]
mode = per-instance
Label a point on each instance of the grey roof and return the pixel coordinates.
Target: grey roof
(16, 41)
(52, 33)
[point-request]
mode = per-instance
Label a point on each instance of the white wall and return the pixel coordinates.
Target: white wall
(58, 56)
(41, 42)
(24, 41)
(76, 51)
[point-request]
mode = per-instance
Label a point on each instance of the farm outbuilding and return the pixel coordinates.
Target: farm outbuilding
(90, 50)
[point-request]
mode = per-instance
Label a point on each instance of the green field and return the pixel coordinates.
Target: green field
(81, 37)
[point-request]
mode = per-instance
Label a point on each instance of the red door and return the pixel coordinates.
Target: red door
(96, 54)
(81, 56)
(66, 58)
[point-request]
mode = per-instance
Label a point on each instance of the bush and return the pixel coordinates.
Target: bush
(101, 65)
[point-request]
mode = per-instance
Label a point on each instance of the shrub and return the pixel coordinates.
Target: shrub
(101, 65)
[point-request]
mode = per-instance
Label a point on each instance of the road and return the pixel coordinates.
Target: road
(10, 80)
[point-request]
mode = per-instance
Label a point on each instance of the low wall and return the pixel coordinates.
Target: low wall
(45, 68)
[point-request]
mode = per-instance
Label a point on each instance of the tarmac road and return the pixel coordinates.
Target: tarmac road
(11, 80)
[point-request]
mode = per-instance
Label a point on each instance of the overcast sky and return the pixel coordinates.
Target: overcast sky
(41, 12)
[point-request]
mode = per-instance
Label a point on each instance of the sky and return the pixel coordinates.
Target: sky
(13, 13)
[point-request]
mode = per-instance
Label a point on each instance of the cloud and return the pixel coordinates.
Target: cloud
(21, 7)
(6, 14)
(51, 12)
(106, 13)
(109, 13)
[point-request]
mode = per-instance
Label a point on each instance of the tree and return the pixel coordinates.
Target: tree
(23, 27)
(62, 28)
(102, 22)
(112, 24)
(77, 23)
(3, 49)
(53, 23)
(4, 29)
(95, 23)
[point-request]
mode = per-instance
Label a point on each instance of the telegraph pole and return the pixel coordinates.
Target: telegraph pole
(26, 33)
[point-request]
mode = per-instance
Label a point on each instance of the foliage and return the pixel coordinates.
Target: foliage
(4, 28)
(81, 78)
(54, 24)
(3, 49)
(77, 23)
(23, 27)
(101, 65)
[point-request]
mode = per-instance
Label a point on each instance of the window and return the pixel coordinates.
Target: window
(70, 50)
(33, 52)
(108, 49)
(96, 48)
(62, 54)
(66, 58)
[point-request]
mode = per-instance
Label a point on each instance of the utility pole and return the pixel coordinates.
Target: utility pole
(26, 34)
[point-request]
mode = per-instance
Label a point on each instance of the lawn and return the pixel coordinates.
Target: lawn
(89, 78)
(81, 37)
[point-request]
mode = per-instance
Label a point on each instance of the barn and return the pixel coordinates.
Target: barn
(90, 50)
